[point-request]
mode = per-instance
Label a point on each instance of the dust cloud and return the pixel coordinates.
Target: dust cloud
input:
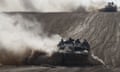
(15, 41)
(53, 5)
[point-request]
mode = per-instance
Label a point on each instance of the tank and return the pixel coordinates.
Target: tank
(110, 7)
(73, 53)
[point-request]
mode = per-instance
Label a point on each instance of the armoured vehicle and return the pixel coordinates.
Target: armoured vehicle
(111, 7)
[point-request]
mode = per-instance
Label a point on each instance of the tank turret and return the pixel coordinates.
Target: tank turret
(74, 46)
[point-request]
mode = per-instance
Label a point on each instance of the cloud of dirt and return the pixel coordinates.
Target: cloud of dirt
(15, 41)
(53, 5)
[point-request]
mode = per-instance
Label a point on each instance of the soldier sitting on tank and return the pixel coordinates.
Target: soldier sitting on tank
(69, 41)
(77, 45)
(69, 44)
(61, 44)
(85, 45)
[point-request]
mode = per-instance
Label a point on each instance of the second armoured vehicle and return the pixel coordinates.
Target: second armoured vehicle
(111, 7)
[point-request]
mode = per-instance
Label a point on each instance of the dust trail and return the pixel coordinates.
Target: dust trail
(16, 41)
(53, 5)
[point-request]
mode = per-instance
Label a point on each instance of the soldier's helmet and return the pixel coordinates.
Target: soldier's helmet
(77, 41)
(62, 40)
(85, 40)
(70, 39)
(112, 3)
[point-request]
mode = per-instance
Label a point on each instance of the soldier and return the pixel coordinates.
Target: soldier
(69, 45)
(77, 42)
(61, 44)
(77, 45)
(86, 45)
(70, 39)
(62, 41)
